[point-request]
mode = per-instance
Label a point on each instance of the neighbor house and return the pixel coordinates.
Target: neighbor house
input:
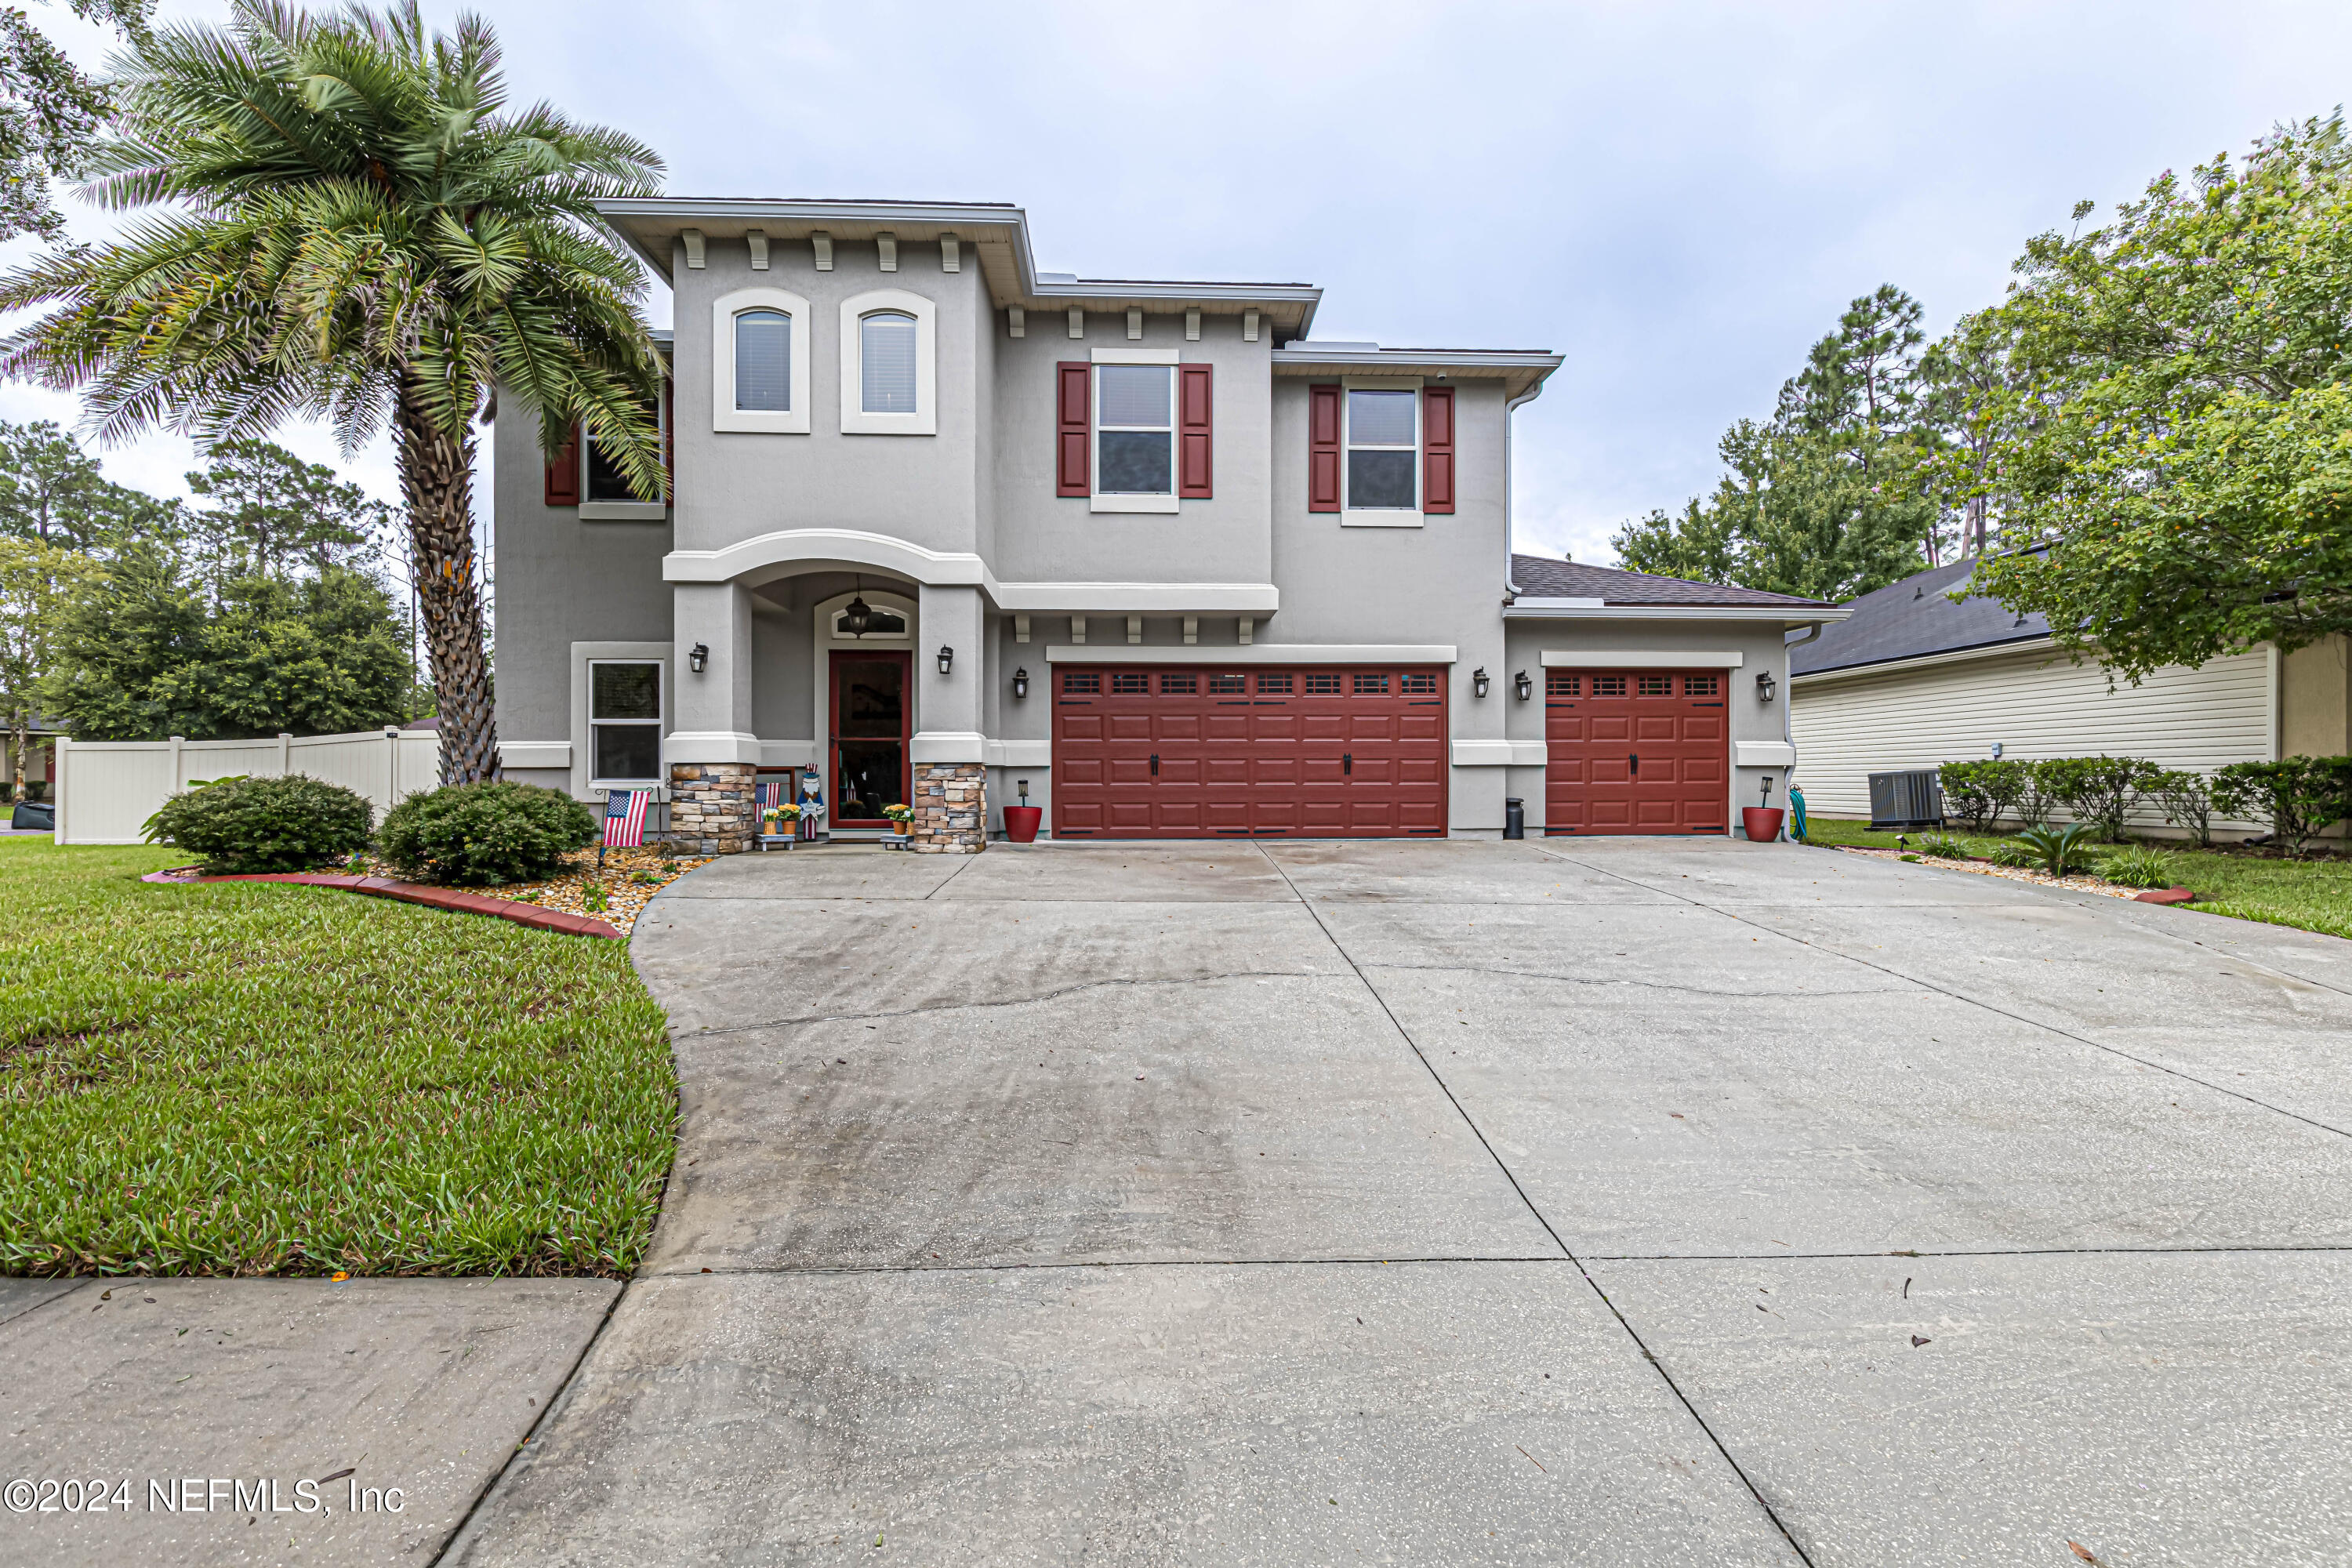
(953, 532)
(1912, 678)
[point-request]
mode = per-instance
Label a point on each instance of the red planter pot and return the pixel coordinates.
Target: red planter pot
(1021, 823)
(1762, 823)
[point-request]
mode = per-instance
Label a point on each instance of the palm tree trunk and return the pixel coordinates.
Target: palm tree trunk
(436, 481)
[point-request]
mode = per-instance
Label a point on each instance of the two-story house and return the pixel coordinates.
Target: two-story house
(954, 531)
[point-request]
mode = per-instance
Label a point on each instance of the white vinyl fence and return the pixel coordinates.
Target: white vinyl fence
(106, 790)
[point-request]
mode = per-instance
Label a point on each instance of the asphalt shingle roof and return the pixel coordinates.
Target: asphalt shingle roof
(1540, 577)
(1911, 620)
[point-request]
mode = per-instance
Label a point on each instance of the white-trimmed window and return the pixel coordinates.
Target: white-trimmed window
(1134, 456)
(1382, 459)
(759, 362)
(624, 723)
(1135, 430)
(890, 364)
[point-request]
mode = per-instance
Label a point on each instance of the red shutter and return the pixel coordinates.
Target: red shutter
(669, 437)
(1437, 448)
(1192, 433)
(1071, 474)
(564, 473)
(1323, 449)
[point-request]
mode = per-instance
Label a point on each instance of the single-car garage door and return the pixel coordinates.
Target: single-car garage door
(1635, 751)
(1194, 751)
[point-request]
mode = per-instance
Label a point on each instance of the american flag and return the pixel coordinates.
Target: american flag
(624, 818)
(772, 796)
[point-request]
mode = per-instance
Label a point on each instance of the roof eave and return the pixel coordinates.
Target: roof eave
(1789, 616)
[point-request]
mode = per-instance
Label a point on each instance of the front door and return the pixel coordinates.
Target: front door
(872, 722)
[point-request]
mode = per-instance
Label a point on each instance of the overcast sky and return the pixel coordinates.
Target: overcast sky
(1678, 197)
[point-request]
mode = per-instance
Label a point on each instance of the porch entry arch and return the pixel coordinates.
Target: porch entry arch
(852, 694)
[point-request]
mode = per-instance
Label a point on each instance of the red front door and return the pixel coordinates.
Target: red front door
(1636, 751)
(873, 718)
(1195, 751)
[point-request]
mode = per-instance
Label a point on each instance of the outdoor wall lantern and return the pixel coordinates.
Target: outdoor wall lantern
(947, 657)
(1765, 686)
(1019, 683)
(1478, 681)
(1527, 687)
(699, 657)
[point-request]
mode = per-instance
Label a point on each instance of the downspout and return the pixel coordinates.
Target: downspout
(1789, 705)
(1511, 588)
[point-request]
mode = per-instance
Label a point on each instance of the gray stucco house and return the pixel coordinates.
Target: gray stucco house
(947, 529)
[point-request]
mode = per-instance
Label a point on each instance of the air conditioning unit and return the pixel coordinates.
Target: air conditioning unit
(1913, 799)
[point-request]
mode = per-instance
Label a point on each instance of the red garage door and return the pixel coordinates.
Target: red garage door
(1634, 751)
(1323, 751)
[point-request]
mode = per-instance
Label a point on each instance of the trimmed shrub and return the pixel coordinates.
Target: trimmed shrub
(2099, 790)
(1982, 791)
(2037, 795)
(483, 835)
(2298, 796)
(241, 825)
(2186, 802)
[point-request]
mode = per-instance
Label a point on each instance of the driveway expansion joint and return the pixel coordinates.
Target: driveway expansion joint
(1566, 1251)
(1041, 996)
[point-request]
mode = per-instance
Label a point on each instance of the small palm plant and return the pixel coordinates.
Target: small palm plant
(357, 229)
(2059, 850)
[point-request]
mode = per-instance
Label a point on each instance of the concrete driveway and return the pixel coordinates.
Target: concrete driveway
(1588, 1201)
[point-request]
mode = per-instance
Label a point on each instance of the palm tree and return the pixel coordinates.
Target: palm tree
(355, 230)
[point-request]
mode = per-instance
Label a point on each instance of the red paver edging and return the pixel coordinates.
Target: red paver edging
(2163, 896)
(418, 893)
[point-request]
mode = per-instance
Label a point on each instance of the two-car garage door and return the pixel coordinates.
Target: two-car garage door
(1635, 751)
(1194, 751)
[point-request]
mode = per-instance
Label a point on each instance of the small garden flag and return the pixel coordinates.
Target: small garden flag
(625, 820)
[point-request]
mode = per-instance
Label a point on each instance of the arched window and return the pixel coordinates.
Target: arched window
(763, 362)
(886, 350)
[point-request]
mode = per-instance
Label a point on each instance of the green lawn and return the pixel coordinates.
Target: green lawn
(248, 1078)
(2314, 894)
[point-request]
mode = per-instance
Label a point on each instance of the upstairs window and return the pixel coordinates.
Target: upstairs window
(887, 359)
(759, 362)
(1135, 429)
(1383, 450)
(763, 362)
(890, 364)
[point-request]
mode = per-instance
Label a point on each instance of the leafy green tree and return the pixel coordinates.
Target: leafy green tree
(2181, 477)
(1833, 495)
(49, 112)
(273, 513)
(36, 581)
(53, 493)
(141, 656)
(356, 230)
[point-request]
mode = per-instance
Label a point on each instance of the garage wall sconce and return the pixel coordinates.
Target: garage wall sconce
(1766, 687)
(1478, 682)
(698, 656)
(947, 659)
(1526, 687)
(1019, 683)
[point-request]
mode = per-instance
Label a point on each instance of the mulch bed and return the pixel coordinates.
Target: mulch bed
(2080, 883)
(629, 881)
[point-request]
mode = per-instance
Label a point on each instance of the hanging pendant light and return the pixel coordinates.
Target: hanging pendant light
(859, 614)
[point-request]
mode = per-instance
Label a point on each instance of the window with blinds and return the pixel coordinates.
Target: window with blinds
(1135, 429)
(763, 362)
(886, 357)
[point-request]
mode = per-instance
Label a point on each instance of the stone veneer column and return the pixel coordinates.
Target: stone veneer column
(951, 809)
(712, 808)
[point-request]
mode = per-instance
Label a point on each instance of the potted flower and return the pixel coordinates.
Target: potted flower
(777, 824)
(901, 815)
